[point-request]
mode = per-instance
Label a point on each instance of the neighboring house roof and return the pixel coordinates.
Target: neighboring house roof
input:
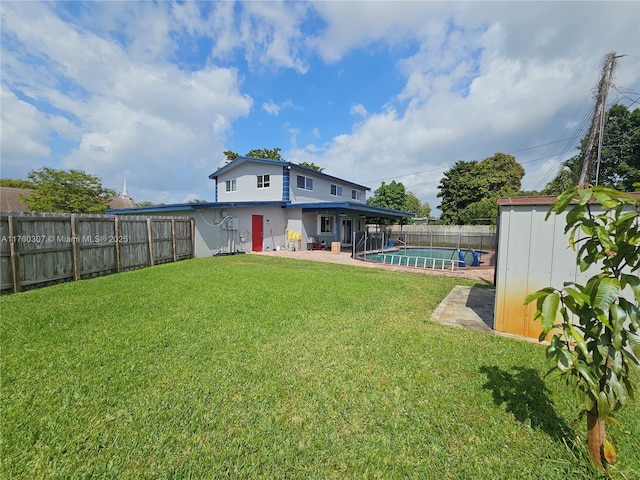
(294, 166)
(121, 202)
(9, 201)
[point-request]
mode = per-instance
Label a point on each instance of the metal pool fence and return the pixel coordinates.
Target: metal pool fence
(377, 241)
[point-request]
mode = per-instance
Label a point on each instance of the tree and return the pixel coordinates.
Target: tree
(312, 166)
(146, 203)
(231, 156)
(597, 339)
(413, 205)
(267, 153)
(620, 155)
(392, 196)
(472, 188)
(454, 192)
(197, 200)
(11, 183)
(72, 191)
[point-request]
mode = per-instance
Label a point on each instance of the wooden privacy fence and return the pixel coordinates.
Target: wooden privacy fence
(42, 249)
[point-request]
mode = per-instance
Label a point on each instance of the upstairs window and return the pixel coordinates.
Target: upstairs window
(264, 181)
(230, 185)
(305, 183)
(336, 190)
(356, 194)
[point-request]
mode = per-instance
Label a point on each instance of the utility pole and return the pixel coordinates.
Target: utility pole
(598, 119)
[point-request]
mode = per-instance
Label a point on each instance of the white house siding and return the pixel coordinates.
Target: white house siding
(246, 183)
(321, 190)
(532, 254)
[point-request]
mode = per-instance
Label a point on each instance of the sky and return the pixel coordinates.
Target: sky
(372, 91)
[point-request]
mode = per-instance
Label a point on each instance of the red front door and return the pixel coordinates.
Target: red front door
(257, 233)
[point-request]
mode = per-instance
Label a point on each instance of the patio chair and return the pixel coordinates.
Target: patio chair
(390, 245)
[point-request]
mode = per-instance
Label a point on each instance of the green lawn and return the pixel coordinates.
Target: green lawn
(260, 367)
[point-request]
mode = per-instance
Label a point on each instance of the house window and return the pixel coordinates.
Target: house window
(306, 183)
(336, 190)
(230, 185)
(356, 194)
(263, 181)
(326, 224)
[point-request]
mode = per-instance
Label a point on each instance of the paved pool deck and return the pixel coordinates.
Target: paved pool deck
(483, 274)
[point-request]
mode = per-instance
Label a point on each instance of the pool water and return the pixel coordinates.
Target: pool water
(426, 257)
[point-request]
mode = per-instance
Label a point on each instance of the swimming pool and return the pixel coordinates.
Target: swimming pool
(422, 257)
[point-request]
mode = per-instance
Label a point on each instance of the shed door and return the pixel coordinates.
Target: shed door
(257, 233)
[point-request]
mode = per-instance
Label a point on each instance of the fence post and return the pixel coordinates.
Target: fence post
(116, 229)
(150, 235)
(15, 259)
(192, 223)
(74, 247)
(173, 239)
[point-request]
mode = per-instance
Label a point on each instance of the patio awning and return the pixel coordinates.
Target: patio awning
(352, 209)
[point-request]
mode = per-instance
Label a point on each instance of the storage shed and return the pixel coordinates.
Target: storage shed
(532, 254)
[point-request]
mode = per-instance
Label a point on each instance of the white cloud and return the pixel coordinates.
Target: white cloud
(479, 77)
(359, 110)
(271, 107)
(24, 134)
(269, 33)
(163, 123)
(485, 77)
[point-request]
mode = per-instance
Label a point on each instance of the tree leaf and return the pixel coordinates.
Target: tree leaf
(603, 406)
(634, 344)
(539, 294)
(561, 203)
(609, 452)
(618, 388)
(634, 282)
(604, 198)
(549, 310)
(564, 360)
(606, 293)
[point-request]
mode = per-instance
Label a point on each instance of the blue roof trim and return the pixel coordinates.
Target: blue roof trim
(295, 166)
(175, 207)
(363, 208)
(350, 207)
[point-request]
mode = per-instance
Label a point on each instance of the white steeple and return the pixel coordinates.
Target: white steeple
(125, 192)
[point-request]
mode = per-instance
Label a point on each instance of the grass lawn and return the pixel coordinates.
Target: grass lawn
(262, 367)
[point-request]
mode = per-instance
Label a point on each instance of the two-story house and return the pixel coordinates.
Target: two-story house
(263, 204)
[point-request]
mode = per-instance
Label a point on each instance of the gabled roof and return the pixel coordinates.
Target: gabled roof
(293, 166)
(9, 201)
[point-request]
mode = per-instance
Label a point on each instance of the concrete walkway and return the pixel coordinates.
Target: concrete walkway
(468, 307)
